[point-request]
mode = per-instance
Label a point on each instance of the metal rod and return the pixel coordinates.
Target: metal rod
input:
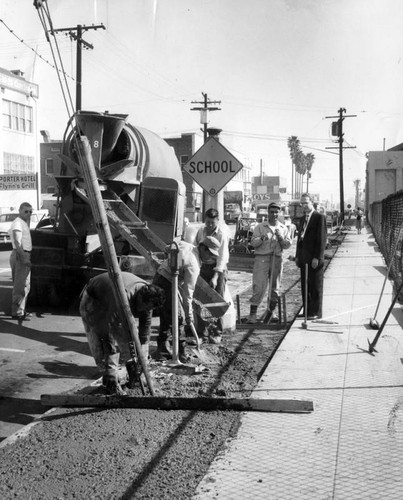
(108, 249)
(305, 322)
(285, 309)
(175, 327)
(385, 319)
(387, 272)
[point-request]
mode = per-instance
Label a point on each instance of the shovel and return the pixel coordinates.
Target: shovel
(371, 346)
(305, 322)
(267, 315)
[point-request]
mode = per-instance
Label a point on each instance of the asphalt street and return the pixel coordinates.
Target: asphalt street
(47, 355)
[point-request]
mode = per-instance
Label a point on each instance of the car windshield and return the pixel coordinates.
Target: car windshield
(8, 217)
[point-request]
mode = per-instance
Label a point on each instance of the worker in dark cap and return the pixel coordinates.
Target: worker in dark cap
(269, 239)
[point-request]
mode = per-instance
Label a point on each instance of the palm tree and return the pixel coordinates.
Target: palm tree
(295, 148)
(310, 158)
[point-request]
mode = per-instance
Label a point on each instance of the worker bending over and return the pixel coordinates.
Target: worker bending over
(107, 339)
(188, 271)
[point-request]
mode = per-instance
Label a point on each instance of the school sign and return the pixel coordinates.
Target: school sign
(212, 166)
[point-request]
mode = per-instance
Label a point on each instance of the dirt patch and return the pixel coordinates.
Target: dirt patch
(81, 453)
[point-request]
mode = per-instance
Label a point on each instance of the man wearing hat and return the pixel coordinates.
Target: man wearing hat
(269, 239)
(218, 230)
(188, 272)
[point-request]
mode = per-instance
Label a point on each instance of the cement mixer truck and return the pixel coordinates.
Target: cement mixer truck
(144, 197)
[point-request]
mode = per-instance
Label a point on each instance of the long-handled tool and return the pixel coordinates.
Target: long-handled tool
(191, 325)
(305, 322)
(372, 345)
(173, 253)
(105, 236)
(268, 314)
(373, 323)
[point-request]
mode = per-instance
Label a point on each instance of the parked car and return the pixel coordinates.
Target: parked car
(232, 212)
(7, 219)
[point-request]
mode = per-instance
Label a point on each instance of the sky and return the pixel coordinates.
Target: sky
(278, 67)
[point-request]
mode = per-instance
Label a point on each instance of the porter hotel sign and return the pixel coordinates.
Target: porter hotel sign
(17, 181)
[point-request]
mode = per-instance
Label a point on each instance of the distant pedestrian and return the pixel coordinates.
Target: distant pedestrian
(20, 262)
(311, 244)
(359, 216)
(269, 239)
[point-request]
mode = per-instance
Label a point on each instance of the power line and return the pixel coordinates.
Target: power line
(31, 48)
(271, 137)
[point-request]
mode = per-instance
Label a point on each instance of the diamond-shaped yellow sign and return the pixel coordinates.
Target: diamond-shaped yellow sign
(212, 166)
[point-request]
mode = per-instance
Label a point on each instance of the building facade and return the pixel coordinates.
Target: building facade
(19, 165)
(384, 174)
(269, 188)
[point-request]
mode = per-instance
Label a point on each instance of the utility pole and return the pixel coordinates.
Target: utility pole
(337, 130)
(76, 34)
(207, 106)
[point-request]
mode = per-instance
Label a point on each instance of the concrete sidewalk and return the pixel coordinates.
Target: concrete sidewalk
(351, 446)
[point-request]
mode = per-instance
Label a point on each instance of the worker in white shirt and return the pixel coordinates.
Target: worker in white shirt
(269, 239)
(20, 262)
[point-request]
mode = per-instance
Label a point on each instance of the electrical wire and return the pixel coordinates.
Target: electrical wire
(29, 47)
(270, 137)
(47, 25)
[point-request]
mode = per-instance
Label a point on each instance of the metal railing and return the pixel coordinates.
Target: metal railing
(387, 225)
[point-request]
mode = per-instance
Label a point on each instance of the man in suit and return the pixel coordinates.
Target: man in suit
(311, 244)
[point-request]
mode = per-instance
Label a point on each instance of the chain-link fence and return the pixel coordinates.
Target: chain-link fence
(387, 225)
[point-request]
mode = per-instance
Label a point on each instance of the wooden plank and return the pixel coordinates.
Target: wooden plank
(179, 403)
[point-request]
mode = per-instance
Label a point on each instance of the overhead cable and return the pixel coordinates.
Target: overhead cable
(31, 48)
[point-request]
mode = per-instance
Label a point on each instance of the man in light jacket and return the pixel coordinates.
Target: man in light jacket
(269, 239)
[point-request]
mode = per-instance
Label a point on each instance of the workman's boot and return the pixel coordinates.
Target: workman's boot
(163, 351)
(204, 336)
(190, 338)
(114, 378)
(271, 312)
(183, 357)
(215, 338)
(252, 318)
